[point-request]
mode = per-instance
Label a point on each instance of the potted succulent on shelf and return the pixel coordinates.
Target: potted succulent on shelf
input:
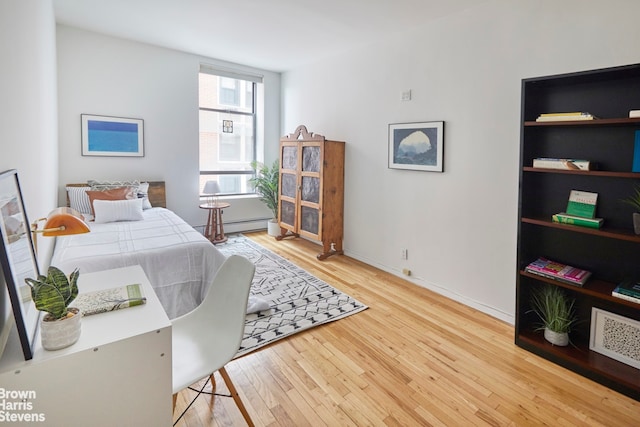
(556, 312)
(634, 201)
(266, 185)
(60, 326)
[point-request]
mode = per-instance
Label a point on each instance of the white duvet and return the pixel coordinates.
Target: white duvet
(179, 261)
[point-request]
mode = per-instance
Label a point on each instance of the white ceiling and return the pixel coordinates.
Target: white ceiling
(274, 35)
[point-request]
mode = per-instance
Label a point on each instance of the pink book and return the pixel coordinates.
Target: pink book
(558, 271)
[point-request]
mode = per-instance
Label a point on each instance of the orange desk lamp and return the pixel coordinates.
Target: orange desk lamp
(60, 222)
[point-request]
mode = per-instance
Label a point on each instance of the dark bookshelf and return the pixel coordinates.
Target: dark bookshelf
(611, 253)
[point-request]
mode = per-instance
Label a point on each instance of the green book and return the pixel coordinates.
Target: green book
(582, 204)
(564, 218)
(109, 299)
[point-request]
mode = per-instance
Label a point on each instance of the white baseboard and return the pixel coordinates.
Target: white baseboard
(491, 311)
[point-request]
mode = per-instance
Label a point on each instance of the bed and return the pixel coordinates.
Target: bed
(178, 260)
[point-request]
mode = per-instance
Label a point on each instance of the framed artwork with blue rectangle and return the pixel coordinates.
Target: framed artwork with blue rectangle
(112, 136)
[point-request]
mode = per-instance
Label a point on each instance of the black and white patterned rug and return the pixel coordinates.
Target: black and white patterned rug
(297, 299)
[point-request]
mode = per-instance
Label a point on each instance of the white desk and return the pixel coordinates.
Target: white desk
(117, 374)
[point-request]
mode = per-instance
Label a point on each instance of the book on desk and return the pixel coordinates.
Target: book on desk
(111, 299)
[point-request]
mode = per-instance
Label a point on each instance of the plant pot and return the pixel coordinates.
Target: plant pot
(636, 222)
(61, 333)
(556, 338)
(273, 228)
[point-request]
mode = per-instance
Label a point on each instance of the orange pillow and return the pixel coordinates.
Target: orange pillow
(120, 193)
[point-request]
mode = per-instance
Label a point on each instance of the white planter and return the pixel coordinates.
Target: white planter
(636, 222)
(57, 334)
(556, 338)
(273, 228)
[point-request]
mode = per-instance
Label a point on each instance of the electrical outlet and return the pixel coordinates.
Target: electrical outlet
(405, 254)
(406, 272)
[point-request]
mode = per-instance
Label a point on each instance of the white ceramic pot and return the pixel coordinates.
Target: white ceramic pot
(273, 228)
(61, 333)
(636, 222)
(556, 338)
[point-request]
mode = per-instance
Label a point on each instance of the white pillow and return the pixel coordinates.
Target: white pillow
(117, 210)
(79, 200)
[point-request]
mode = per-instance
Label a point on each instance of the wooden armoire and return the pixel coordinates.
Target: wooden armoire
(311, 189)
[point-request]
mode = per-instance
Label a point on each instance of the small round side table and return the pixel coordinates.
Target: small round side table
(214, 230)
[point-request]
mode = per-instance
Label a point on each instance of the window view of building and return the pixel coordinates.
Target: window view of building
(227, 106)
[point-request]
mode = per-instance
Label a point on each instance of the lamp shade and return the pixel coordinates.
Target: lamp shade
(211, 187)
(64, 221)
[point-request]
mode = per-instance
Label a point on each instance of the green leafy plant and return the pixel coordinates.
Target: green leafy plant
(634, 199)
(266, 184)
(554, 308)
(54, 292)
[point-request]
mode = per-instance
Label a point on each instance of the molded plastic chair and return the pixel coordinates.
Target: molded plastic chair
(208, 337)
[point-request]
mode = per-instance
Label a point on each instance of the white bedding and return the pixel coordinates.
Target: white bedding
(179, 261)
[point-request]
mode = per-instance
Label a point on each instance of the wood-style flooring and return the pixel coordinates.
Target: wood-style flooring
(414, 358)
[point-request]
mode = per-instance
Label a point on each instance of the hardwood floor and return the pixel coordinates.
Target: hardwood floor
(414, 358)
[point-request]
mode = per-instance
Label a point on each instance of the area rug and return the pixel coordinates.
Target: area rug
(297, 299)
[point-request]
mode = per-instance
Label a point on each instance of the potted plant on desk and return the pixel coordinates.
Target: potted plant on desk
(266, 185)
(53, 293)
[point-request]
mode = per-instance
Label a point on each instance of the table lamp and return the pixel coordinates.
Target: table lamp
(211, 189)
(60, 222)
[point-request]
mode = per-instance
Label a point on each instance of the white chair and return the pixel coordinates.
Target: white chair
(208, 337)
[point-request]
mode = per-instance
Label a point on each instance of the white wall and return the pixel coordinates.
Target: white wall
(115, 77)
(28, 121)
(459, 226)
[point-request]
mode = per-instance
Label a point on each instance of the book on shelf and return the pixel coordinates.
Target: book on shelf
(582, 204)
(558, 271)
(559, 117)
(628, 287)
(634, 114)
(565, 218)
(110, 299)
(636, 153)
(566, 164)
(625, 297)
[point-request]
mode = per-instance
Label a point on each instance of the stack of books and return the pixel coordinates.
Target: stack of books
(581, 210)
(629, 290)
(557, 271)
(565, 117)
(566, 164)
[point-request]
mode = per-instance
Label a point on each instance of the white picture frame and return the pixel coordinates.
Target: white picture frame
(607, 329)
(112, 136)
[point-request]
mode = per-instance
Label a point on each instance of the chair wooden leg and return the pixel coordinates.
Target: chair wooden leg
(236, 396)
(213, 390)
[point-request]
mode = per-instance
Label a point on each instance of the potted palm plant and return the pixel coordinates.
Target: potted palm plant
(265, 183)
(556, 312)
(634, 201)
(60, 326)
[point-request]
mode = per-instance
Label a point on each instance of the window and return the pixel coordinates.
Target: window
(227, 103)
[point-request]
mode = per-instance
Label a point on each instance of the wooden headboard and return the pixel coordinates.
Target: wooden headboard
(157, 193)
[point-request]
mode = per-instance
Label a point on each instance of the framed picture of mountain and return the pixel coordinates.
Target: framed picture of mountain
(416, 146)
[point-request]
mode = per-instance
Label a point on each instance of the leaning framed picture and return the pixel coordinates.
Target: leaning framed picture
(615, 336)
(18, 260)
(417, 146)
(112, 136)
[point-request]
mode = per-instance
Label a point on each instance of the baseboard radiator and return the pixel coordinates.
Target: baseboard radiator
(241, 226)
